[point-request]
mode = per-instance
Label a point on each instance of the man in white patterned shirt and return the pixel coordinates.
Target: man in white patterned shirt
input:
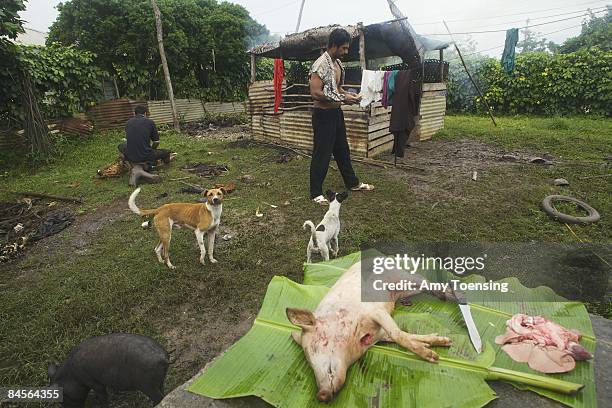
(326, 80)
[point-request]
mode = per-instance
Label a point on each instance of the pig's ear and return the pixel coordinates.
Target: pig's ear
(301, 317)
(51, 371)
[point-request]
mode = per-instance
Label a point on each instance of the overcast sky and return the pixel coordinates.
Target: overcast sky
(280, 16)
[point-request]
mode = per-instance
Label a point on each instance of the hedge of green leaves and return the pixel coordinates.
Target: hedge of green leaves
(557, 84)
(64, 80)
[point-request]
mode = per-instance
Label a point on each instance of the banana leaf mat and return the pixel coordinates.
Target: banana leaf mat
(268, 364)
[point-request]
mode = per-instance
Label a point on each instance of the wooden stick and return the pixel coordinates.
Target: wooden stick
(253, 68)
(362, 56)
(486, 105)
(164, 61)
(592, 177)
(381, 163)
(49, 196)
(303, 153)
(192, 185)
(179, 179)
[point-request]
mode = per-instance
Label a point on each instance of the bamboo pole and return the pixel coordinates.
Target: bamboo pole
(441, 65)
(486, 105)
(362, 56)
(253, 68)
(164, 61)
(299, 22)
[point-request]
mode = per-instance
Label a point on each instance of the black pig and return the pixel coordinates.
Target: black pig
(121, 361)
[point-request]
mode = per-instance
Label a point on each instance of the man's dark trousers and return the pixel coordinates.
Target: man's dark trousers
(158, 154)
(329, 137)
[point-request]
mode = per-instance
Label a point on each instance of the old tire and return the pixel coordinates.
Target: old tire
(547, 206)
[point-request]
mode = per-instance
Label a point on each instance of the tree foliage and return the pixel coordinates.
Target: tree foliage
(10, 26)
(205, 44)
(559, 84)
(65, 77)
(597, 31)
(534, 42)
(10, 23)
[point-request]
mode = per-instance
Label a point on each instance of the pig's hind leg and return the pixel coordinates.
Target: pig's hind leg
(418, 344)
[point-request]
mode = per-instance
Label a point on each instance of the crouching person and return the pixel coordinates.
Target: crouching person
(141, 150)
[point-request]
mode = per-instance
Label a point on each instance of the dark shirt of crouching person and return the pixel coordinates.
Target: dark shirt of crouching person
(142, 139)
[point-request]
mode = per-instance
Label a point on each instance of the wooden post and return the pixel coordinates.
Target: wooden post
(162, 54)
(486, 105)
(362, 56)
(441, 65)
(116, 87)
(253, 68)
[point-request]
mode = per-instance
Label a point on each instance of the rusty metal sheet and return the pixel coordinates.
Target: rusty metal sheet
(113, 114)
(72, 126)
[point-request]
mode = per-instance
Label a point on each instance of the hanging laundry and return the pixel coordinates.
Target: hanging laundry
(371, 87)
(385, 89)
(544, 345)
(389, 88)
(509, 53)
(279, 76)
(406, 104)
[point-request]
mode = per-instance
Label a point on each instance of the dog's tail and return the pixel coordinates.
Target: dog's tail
(313, 231)
(134, 207)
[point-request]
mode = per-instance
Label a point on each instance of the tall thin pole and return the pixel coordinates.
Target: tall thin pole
(297, 27)
(486, 105)
(162, 53)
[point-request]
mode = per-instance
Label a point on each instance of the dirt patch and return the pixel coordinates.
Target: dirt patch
(74, 239)
(205, 130)
(195, 339)
(438, 168)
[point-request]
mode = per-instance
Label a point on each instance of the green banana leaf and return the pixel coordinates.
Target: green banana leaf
(267, 363)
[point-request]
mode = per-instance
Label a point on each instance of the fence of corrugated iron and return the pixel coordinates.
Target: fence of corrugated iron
(10, 140)
(189, 110)
(72, 126)
(15, 139)
(113, 114)
(225, 107)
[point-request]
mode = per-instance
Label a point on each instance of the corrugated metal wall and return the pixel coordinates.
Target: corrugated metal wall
(10, 140)
(189, 110)
(113, 114)
(433, 109)
(367, 130)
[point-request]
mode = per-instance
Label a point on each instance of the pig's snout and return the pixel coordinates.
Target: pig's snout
(324, 396)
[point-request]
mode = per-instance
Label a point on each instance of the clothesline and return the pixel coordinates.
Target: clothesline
(520, 28)
(501, 46)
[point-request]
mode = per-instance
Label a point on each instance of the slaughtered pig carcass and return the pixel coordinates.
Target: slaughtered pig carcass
(343, 328)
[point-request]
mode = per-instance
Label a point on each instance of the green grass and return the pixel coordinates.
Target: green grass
(107, 279)
(574, 138)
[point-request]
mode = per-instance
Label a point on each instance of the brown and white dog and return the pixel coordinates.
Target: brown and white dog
(203, 218)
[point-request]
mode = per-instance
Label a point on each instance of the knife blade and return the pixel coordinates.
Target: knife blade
(471, 326)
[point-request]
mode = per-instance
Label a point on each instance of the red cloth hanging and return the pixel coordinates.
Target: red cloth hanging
(279, 76)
